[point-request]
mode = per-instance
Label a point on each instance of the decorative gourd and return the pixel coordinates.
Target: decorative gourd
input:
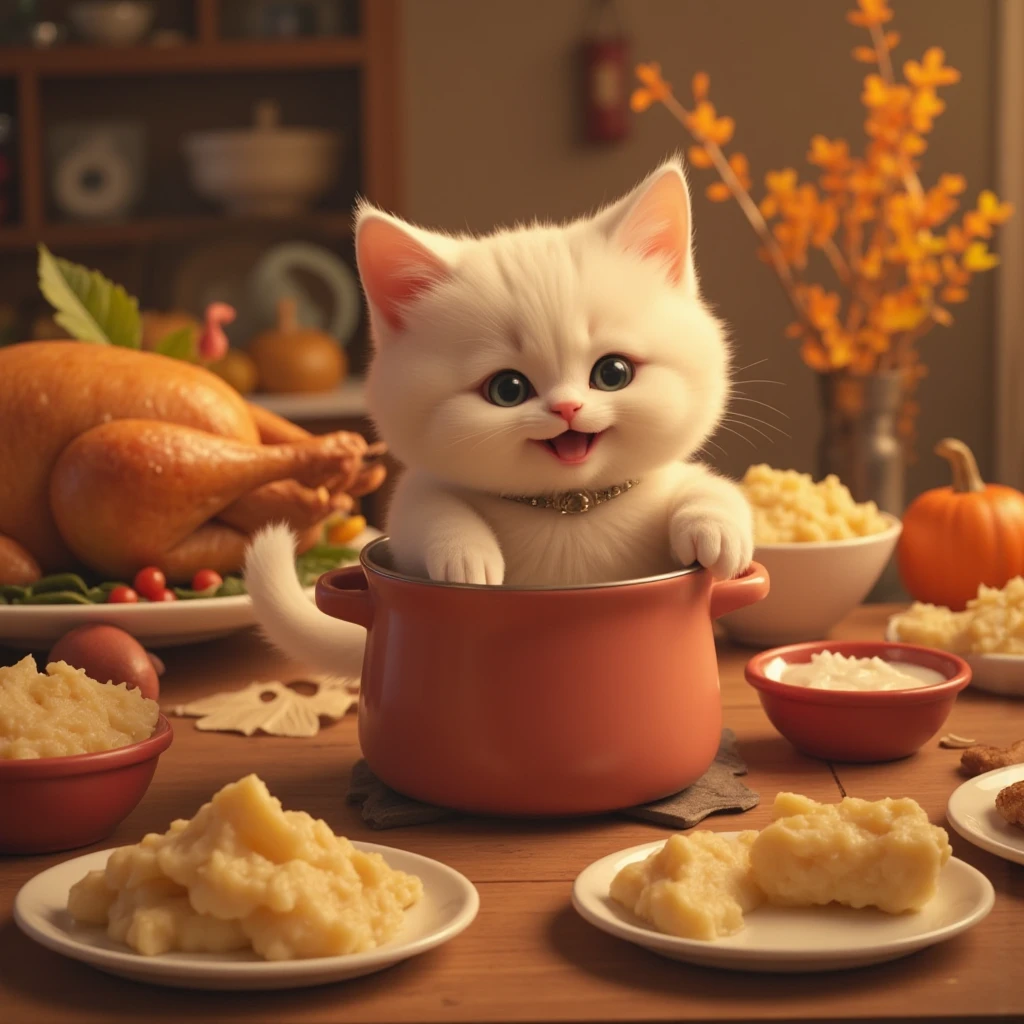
(291, 358)
(956, 538)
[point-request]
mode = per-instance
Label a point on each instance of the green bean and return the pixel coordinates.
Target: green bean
(185, 594)
(61, 583)
(56, 597)
(232, 586)
(97, 595)
(13, 593)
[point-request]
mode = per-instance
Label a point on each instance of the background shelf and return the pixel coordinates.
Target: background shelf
(184, 58)
(144, 230)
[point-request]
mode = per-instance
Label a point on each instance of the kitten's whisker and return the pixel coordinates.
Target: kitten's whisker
(750, 366)
(754, 401)
(722, 426)
(703, 447)
(757, 419)
(756, 430)
(484, 438)
(781, 383)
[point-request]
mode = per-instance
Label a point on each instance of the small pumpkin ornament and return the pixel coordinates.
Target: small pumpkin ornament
(956, 538)
(291, 358)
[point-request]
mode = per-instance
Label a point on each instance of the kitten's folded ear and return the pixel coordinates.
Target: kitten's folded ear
(395, 263)
(654, 221)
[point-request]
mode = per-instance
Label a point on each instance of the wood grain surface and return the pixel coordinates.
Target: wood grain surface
(528, 956)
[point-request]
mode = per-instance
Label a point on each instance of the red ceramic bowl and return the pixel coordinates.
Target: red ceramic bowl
(60, 803)
(853, 725)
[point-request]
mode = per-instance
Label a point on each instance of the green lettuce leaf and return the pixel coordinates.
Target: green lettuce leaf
(87, 305)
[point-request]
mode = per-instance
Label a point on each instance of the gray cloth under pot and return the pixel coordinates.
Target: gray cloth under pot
(719, 789)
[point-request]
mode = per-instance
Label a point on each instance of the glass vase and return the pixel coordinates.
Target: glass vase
(860, 444)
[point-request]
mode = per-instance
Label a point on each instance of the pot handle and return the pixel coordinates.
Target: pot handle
(730, 595)
(343, 594)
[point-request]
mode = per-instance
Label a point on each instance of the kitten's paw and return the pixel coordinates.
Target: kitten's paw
(715, 540)
(461, 563)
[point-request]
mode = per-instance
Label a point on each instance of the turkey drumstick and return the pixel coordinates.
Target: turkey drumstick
(142, 492)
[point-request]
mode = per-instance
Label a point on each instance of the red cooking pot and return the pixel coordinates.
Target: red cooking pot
(537, 700)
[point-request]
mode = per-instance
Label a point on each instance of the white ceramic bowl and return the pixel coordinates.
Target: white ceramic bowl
(814, 586)
(266, 170)
(995, 673)
(112, 22)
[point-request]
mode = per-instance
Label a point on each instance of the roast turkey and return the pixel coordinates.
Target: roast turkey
(113, 459)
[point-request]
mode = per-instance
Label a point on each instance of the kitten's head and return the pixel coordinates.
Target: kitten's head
(544, 358)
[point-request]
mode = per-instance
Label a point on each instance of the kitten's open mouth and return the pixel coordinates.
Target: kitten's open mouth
(571, 447)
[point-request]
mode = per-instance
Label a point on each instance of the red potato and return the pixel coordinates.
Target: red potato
(109, 654)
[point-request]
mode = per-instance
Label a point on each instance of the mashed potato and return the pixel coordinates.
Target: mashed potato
(63, 712)
(696, 886)
(789, 507)
(860, 853)
(992, 623)
(244, 873)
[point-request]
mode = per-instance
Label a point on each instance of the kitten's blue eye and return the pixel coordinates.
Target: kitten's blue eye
(507, 389)
(611, 373)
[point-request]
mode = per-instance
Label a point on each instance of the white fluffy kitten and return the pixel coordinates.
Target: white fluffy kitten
(535, 362)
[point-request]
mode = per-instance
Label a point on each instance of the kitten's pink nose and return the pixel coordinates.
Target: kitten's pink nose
(566, 409)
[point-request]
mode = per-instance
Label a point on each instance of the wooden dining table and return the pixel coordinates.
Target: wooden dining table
(529, 956)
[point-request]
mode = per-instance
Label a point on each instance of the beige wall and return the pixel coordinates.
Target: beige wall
(491, 137)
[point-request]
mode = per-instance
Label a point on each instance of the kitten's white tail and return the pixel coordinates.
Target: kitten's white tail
(288, 618)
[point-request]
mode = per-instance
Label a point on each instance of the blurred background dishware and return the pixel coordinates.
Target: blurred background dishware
(97, 168)
(267, 170)
(112, 22)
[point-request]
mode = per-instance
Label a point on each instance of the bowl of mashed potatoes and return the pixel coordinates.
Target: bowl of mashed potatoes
(988, 634)
(76, 756)
(857, 700)
(823, 552)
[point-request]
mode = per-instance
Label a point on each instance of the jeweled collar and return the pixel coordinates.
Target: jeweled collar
(569, 503)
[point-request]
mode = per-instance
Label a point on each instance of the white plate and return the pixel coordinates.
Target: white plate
(38, 627)
(449, 904)
(972, 812)
(994, 673)
(795, 940)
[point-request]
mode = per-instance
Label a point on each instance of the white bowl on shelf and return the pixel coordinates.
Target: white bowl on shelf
(266, 170)
(813, 587)
(112, 22)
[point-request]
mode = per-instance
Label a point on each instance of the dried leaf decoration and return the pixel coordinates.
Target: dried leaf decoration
(277, 709)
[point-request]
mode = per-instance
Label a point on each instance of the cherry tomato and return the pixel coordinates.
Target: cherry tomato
(167, 595)
(122, 595)
(205, 579)
(151, 583)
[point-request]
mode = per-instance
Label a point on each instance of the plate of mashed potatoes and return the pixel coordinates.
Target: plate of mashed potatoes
(988, 634)
(824, 887)
(245, 895)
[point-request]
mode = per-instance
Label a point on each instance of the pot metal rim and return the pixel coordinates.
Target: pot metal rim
(369, 565)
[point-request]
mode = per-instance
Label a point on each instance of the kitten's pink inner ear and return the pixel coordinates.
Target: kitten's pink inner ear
(395, 268)
(659, 225)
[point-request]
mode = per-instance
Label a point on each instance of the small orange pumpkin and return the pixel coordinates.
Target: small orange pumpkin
(956, 538)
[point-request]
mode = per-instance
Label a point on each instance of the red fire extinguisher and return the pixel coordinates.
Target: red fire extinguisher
(605, 60)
